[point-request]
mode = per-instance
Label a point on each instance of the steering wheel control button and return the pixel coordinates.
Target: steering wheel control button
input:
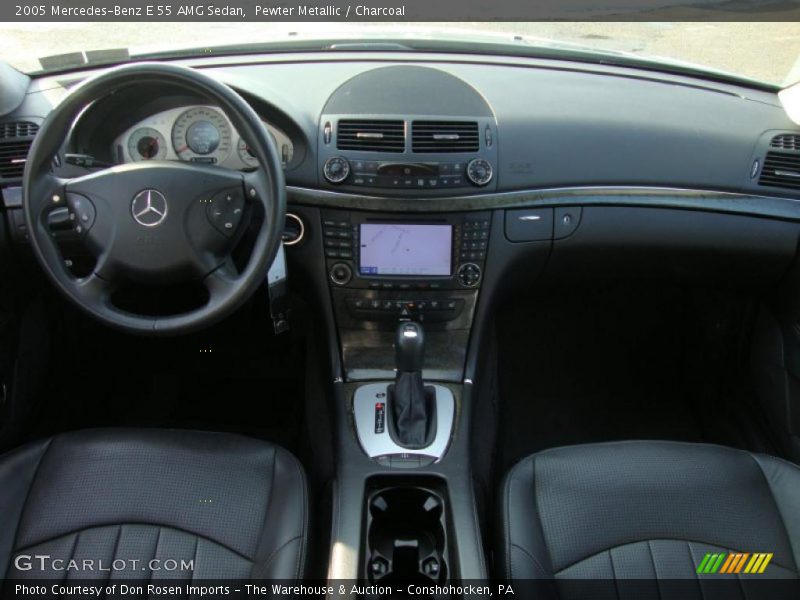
(336, 169)
(469, 275)
(149, 208)
(479, 171)
(225, 211)
(82, 212)
(341, 274)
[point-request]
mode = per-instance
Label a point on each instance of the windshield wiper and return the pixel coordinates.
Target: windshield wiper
(72, 60)
(377, 46)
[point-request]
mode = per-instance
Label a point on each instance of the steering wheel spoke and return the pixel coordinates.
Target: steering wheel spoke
(48, 194)
(221, 280)
(95, 289)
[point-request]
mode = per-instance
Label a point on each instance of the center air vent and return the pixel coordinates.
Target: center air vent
(15, 142)
(781, 169)
(786, 141)
(371, 136)
(444, 136)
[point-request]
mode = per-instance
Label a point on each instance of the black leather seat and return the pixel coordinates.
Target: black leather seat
(648, 511)
(234, 506)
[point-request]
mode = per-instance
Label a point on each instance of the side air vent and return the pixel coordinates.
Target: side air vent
(15, 142)
(371, 136)
(18, 129)
(444, 136)
(781, 170)
(786, 141)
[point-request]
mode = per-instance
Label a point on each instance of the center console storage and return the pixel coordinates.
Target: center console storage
(407, 533)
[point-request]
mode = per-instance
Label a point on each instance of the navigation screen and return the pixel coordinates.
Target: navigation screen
(400, 249)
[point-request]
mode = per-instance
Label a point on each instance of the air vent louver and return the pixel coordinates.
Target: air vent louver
(786, 141)
(781, 170)
(371, 136)
(12, 158)
(18, 129)
(444, 136)
(15, 142)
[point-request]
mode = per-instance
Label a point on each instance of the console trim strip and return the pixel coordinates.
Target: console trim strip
(780, 207)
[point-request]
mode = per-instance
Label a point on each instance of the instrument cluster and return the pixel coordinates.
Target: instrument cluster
(200, 134)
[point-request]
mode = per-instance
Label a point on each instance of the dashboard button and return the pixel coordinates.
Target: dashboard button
(341, 274)
(479, 171)
(469, 275)
(336, 169)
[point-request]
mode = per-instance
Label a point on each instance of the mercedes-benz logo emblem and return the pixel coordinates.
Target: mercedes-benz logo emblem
(149, 208)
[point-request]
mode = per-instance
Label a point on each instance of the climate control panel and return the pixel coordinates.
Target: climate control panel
(476, 172)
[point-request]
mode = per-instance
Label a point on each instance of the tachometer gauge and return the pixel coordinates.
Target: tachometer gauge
(202, 134)
(246, 155)
(147, 143)
(282, 143)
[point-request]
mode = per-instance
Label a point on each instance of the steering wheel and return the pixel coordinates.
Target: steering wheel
(156, 222)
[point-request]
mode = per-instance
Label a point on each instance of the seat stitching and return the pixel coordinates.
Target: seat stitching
(575, 447)
(194, 558)
(777, 508)
(205, 537)
(696, 574)
(155, 553)
(267, 506)
(114, 553)
(536, 510)
(741, 585)
(28, 494)
(72, 553)
(580, 560)
(613, 573)
(655, 569)
(278, 550)
(531, 556)
(300, 562)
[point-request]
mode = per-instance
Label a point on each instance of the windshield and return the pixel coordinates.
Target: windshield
(765, 52)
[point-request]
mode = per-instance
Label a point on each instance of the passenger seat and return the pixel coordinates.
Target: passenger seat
(647, 511)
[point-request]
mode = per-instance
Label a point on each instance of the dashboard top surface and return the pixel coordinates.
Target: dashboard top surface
(558, 124)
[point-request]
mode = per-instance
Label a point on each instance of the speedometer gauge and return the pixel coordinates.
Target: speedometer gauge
(147, 143)
(202, 134)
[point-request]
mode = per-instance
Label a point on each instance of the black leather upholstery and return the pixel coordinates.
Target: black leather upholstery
(646, 510)
(235, 506)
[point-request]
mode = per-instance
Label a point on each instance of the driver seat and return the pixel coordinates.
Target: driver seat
(234, 506)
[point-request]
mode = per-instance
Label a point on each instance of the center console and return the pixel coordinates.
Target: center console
(404, 286)
(384, 268)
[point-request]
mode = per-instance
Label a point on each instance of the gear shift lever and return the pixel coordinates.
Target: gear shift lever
(412, 418)
(409, 347)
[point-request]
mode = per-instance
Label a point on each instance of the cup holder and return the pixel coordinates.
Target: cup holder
(406, 539)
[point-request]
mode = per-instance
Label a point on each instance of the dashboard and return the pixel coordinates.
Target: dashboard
(367, 128)
(198, 133)
(418, 183)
